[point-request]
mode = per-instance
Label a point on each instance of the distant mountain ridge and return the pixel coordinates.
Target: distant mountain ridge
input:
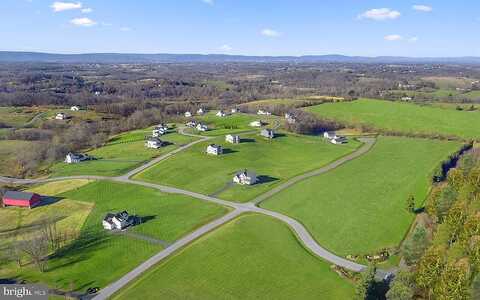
(23, 57)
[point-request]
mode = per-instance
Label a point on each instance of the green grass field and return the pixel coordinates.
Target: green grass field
(276, 160)
(17, 116)
(121, 154)
(97, 257)
(360, 207)
(238, 122)
(253, 257)
(403, 117)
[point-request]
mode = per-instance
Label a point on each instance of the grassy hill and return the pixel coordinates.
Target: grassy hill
(97, 257)
(360, 207)
(253, 257)
(403, 117)
(275, 160)
(121, 154)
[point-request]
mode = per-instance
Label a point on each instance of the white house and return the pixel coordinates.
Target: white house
(60, 116)
(117, 221)
(256, 124)
(406, 98)
(188, 114)
(263, 112)
(220, 113)
(234, 110)
(268, 133)
(290, 118)
(191, 124)
(159, 130)
(330, 135)
(75, 108)
(97, 93)
(339, 140)
(245, 178)
(214, 149)
(200, 111)
(73, 158)
(232, 139)
(202, 127)
(154, 143)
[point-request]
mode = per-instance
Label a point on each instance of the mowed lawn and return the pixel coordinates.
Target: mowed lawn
(403, 117)
(360, 207)
(274, 161)
(97, 257)
(252, 257)
(121, 154)
(238, 122)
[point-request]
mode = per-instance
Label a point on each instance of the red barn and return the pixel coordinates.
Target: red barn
(21, 199)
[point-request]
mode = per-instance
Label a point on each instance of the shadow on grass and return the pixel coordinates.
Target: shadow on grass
(247, 140)
(229, 151)
(47, 200)
(262, 179)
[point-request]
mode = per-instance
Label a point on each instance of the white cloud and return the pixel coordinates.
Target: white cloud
(62, 6)
(380, 14)
(209, 2)
(270, 32)
(422, 8)
(393, 37)
(84, 22)
(86, 10)
(125, 28)
(226, 48)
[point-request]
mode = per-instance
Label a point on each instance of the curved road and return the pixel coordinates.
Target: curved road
(238, 208)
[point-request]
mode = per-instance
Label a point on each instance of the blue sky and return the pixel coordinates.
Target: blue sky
(250, 27)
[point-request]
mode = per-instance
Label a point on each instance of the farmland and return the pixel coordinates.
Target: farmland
(238, 122)
(359, 207)
(248, 258)
(121, 154)
(165, 218)
(403, 117)
(275, 161)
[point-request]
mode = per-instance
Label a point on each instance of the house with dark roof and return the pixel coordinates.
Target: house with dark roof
(245, 177)
(21, 199)
(118, 221)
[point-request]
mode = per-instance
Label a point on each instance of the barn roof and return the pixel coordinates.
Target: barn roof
(18, 195)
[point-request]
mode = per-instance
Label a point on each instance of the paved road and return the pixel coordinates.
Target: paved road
(239, 208)
(369, 142)
(108, 291)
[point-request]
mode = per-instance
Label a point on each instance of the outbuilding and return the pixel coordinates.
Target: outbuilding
(21, 199)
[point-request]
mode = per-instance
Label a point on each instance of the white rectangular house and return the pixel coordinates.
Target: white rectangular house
(256, 124)
(75, 108)
(60, 116)
(214, 149)
(245, 178)
(221, 114)
(74, 158)
(154, 143)
(188, 114)
(117, 221)
(263, 112)
(232, 139)
(202, 127)
(329, 135)
(234, 110)
(339, 140)
(268, 133)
